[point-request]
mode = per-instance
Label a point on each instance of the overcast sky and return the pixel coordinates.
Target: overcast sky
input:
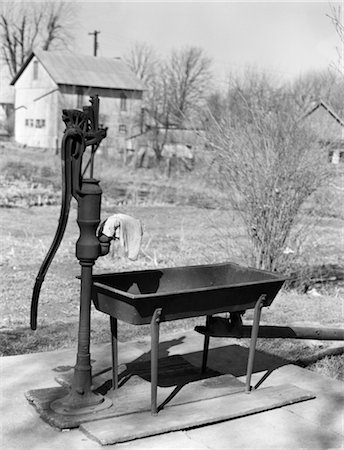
(288, 38)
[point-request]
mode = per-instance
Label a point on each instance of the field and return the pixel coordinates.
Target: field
(185, 222)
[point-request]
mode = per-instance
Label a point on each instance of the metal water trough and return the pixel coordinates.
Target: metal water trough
(182, 292)
(154, 296)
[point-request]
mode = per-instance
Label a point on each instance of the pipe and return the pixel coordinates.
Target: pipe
(275, 331)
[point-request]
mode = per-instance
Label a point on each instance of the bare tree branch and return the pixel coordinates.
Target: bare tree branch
(175, 87)
(337, 18)
(28, 26)
(188, 73)
(143, 61)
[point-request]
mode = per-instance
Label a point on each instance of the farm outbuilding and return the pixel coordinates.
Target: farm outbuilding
(329, 128)
(175, 143)
(51, 81)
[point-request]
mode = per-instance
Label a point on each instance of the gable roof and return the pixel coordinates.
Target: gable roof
(322, 104)
(83, 70)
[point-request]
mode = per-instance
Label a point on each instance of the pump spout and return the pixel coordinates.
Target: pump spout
(126, 229)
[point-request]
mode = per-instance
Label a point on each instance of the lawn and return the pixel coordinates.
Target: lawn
(176, 234)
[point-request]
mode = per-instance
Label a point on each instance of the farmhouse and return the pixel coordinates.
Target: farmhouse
(51, 81)
(329, 128)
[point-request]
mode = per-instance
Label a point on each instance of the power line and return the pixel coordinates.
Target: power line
(95, 41)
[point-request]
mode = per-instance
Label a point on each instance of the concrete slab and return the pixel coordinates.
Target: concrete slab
(273, 430)
(292, 426)
(327, 410)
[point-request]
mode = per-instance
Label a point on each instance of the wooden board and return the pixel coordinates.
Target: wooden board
(195, 414)
(179, 382)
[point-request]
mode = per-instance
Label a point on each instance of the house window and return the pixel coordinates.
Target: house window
(26, 122)
(123, 104)
(35, 70)
(341, 157)
(122, 129)
(40, 123)
(31, 123)
(330, 156)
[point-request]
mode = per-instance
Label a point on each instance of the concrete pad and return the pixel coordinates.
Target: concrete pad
(278, 429)
(292, 426)
(327, 409)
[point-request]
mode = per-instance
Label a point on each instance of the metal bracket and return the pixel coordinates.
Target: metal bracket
(253, 342)
(155, 325)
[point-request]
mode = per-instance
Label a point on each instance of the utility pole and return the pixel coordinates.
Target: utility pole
(95, 42)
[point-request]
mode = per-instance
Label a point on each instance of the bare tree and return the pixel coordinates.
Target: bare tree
(143, 61)
(189, 76)
(268, 162)
(337, 17)
(326, 85)
(176, 87)
(25, 26)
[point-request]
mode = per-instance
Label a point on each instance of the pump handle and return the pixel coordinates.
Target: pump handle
(66, 151)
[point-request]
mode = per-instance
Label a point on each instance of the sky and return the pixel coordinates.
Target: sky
(286, 38)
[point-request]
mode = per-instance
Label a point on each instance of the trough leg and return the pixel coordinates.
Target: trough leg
(205, 347)
(114, 352)
(155, 324)
(254, 336)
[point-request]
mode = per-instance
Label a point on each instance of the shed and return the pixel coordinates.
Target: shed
(329, 128)
(51, 81)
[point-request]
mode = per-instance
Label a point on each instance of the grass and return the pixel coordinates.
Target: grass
(330, 366)
(180, 233)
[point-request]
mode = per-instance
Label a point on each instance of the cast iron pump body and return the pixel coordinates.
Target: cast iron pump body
(82, 131)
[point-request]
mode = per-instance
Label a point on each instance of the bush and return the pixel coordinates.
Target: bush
(268, 162)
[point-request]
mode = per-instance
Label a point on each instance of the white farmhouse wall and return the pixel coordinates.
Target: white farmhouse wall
(36, 103)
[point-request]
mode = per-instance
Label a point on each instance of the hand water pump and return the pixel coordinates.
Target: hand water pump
(82, 131)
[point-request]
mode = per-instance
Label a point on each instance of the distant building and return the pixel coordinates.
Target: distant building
(51, 81)
(179, 145)
(329, 128)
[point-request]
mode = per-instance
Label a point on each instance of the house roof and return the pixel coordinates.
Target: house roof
(322, 104)
(83, 70)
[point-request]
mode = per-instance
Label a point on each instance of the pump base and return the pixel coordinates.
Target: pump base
(43, 399)
(74, 405)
